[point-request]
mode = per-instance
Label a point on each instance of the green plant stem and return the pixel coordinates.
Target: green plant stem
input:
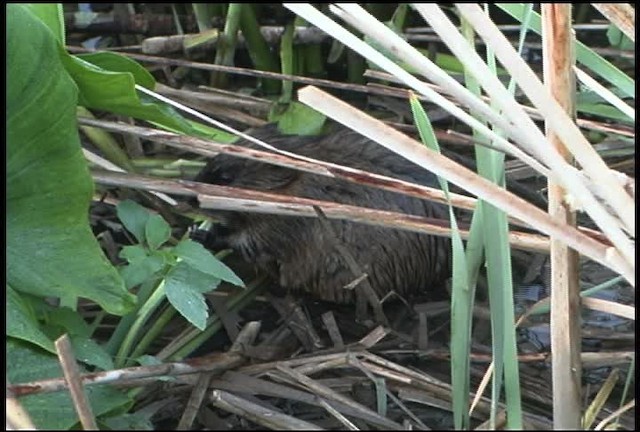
(105, 142)
(156, 298)
(120, 332)
(356, 66)
(227, 43)
(462, 293)
(627, 384)
(313, 61)
(203, 13)
(165, 317)
(286, 62)
(261, 55)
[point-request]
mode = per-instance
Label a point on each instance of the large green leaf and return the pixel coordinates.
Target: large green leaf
(51, 250)
(184, 286)
(52, 16)
(114, 90)
(202, 260)
(54, 410)
(22, 323)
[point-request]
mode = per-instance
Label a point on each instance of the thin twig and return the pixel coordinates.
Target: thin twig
(72, 378)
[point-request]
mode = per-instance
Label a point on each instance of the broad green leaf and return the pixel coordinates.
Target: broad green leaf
(141, 270)
(62, 320)
(115, 91)
(133, 253)
(299, 119)
(51, 250)
(157, 231)
(89, 352)
(134, 218)
(54, 410)
(113, 62)
(67, 321)
(603, 110)
(22, 324)
(184, 286)
(128, 422)
(201, 259)
(52, 16)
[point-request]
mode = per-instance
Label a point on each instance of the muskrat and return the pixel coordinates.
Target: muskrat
(297, 251)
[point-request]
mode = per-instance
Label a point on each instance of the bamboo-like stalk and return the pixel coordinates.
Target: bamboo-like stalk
(558, 60)
(105, 143)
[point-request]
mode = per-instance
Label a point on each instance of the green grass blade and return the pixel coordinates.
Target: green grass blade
(461, 296)
(498, 259)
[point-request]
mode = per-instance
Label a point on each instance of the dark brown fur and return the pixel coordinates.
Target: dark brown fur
(296, 249)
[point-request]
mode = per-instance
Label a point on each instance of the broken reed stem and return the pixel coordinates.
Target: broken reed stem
(219, 197)
(74, 383)
(558, 61)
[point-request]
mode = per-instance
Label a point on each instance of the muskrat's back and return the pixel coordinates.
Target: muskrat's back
(297, 250)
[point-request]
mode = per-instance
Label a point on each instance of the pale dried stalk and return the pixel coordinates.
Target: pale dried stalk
(294, 207)
(606, 306)
(361, 19)
(211, 149)
(312, 15)
(560, 123)
(567, 174)
(328, 394)
(258, 413)
(620, 14)
(605, 93)
(103, 163)
(616, 413)
(288, 160)
(531, 111)
(230, 198)
(72, 378)
(558, 59)
(338, 415)
(566, 129)
(442, 166)
(213, 363)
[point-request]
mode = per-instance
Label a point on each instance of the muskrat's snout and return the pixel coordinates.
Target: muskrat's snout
(226, 226)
